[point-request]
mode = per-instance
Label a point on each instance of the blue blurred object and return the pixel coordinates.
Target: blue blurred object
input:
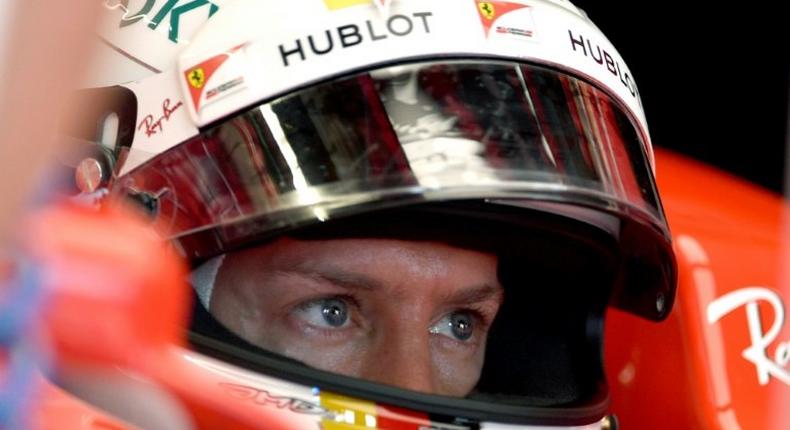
(21, 303)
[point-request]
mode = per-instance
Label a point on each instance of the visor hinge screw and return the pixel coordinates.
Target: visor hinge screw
(90, 175)
(660, 303)
(610, 423)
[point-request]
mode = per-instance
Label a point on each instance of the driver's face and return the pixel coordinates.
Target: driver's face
(410, 314)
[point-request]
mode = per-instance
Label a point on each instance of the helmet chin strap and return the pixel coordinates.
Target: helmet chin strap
(203, 278)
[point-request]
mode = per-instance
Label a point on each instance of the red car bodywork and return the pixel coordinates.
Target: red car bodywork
(687, 372)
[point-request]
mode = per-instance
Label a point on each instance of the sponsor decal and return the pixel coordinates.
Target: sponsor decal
(264, 398)
(353, 34)
(382, 5)
(514, 31)
(198, 75)
(491, 11)
(342, 4)
(227, 86)
(585, 46)
(756, 353)
(151, 125)
(170, 10)
(347, 412)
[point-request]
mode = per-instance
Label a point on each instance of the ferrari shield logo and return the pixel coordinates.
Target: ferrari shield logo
(491, 11)
(196, 77)
(201, 75)
(486, 9)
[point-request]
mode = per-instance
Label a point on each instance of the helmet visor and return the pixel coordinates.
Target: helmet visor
(421, 132)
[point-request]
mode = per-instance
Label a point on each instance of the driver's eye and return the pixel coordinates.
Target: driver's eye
(462, 325)
(325, 313)
(459, 325)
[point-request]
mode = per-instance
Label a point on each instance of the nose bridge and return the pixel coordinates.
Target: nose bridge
(403, 356)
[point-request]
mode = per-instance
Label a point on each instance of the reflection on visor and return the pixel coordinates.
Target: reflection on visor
(453, 130)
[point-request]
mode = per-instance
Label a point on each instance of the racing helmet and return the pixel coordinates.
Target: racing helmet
(512, 128)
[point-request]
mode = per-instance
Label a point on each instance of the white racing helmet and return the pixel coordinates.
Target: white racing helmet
(512, 127)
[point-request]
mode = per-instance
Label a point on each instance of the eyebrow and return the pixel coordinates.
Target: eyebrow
(356, 281)
(348, 280)
(336, 277)
(477, 294)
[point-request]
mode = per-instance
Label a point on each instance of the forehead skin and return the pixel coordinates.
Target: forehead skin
(402, 289)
